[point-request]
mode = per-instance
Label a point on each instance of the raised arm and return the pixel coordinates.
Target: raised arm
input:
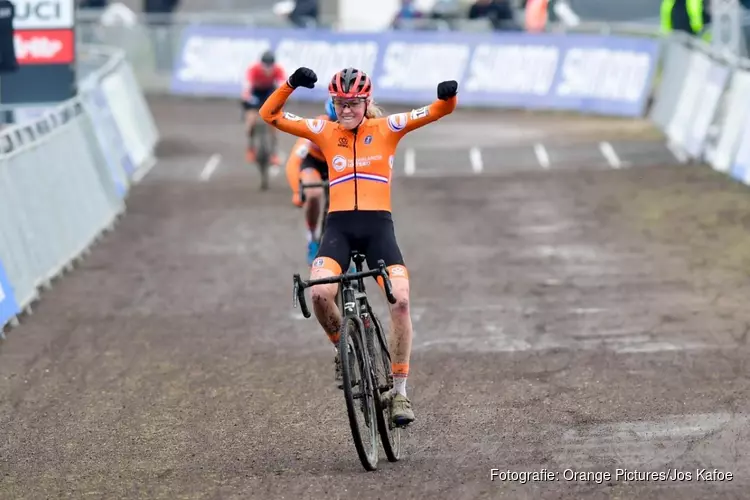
(273, 113)
(404, 123)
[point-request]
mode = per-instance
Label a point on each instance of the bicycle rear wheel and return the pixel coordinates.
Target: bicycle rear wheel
(359, 392)
(390, 434)
(262, 139)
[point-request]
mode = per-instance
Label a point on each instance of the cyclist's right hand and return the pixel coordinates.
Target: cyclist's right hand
(303, 77)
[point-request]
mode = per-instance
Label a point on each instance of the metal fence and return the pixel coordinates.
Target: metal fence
(64, 177)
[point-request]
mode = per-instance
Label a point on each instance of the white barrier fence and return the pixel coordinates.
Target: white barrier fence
(702, 106)
(65, 176)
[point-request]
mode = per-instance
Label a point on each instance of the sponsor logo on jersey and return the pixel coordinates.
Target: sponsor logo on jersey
(397, 123)
(368, 139)
(316, 126)
(420, 113)
(339, 163)
(292, 117)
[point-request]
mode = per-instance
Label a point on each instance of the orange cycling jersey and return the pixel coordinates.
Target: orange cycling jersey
(359, 163)
(304, 147)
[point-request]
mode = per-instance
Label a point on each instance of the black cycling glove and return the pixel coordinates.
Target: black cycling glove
(446, 90)
(303, 77)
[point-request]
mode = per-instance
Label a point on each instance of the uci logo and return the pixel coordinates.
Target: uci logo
(316, 126)
(397, 123)
(339, 163)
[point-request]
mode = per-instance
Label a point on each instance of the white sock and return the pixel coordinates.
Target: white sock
(399, 385)
(310, 235)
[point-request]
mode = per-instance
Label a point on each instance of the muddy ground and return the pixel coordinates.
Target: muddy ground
(577, 317)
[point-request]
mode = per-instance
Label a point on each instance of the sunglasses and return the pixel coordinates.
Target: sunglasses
(351, 103)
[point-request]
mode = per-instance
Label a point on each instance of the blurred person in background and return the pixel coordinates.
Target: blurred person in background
(499, 13)
(536, 15)
(159, 21)
(8, 60)
(307, 163)
(261, 79)
(305, 13)
(407, 12)
(688, 16)
(93, 4)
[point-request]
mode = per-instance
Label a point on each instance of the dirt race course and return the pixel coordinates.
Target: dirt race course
(583, 313)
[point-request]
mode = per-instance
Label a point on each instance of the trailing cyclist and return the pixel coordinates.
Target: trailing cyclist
(261, 79)
(307, 163)
(360, 148)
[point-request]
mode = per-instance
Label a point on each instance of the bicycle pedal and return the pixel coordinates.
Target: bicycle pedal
(386, 397)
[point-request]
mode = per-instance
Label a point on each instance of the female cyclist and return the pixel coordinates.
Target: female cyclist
(307, 163)
(359, 149)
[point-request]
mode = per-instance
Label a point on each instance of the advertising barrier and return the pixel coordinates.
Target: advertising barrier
(8, 306)
(741, 166)
(609, 75)
(732, 128)
(110, 139)
(65, 171)
(716, 80)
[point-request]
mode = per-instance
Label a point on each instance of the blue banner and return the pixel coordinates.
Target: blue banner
(8, 305)
(609, 75)
(110, 139)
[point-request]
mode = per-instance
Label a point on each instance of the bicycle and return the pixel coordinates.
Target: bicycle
(261, 133)
(326, 192)
(362, 345)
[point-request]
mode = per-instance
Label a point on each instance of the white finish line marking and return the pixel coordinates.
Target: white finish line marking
(410, 162)
(475, 156)
(610, 155)
(541, 155)
(211, 166)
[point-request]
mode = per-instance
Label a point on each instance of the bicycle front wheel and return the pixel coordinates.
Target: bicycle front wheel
(359, 392)
(390, 434)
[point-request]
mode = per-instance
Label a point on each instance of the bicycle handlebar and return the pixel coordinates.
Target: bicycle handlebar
(300, 285)
(308, 185)
(305, 185)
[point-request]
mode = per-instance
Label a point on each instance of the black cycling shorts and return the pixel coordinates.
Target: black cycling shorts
(369, 232)
(319, 165)
(257, 98)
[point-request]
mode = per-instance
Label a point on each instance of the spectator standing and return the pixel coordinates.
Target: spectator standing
(406, 13)
(159, 22)
(305, 13)
(499, 13)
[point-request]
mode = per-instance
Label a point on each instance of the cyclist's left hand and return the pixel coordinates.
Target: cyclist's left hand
(447, 89)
